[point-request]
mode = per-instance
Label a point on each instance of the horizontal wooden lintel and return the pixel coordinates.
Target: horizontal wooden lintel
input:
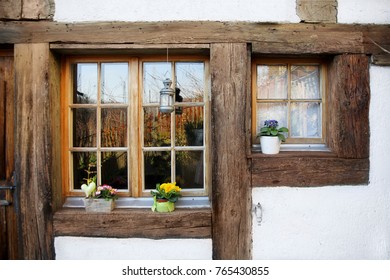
(265, 37)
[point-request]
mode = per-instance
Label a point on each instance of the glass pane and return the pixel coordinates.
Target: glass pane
(272, 82)
(189, 127)
(85, 83)
(189, 169)
(157, 128)
(114, 127)
(114, 169)
(84, 127)
(154, 75)
(84, 168)
(157, 168)
(114, 79)
(306, 120)
(271, 111)
(305, 82)
(190, 81)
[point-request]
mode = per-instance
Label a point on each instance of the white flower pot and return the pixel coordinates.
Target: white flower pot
(270, 145)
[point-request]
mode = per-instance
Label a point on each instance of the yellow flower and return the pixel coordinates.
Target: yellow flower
(168, 187)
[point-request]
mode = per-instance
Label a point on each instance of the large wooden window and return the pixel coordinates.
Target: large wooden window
(292, 92)
(114, 132)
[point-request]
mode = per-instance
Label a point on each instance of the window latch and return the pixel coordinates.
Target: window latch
(4, 202)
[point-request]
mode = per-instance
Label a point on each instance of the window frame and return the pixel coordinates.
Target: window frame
(134, 122)
(291, 144)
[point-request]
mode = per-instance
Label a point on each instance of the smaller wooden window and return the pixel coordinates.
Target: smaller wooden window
(292, 92)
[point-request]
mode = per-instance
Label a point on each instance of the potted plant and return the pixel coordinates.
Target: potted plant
(100, 199)
(271, 137)
(165, 196)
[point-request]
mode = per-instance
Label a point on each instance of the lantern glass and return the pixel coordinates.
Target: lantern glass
(166, 97)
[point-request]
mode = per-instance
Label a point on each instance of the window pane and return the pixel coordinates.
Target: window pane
(85, 87)
(305, 82)
(114, 127)
(114, 169)
(189, 127)
(271, 111)
(114, 79)
(272, 82)
(84, 167)
(189, 169)
(190, 81)
(84, 127)
(154, 75)
(157, 128)
(157, 168)
(306, 120)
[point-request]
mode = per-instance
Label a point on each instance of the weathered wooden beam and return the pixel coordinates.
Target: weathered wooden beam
(299, 170)
(266, 38)
(134, 223)
(231, 179)
(33, 143)
(348, 106)
(9, 213)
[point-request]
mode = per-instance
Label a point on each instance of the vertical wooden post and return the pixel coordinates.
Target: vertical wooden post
(348, 104)
(33, 148)
(231, 179)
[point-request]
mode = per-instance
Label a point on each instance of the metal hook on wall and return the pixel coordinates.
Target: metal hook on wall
(258, 211)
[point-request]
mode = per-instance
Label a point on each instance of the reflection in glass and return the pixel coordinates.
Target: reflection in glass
(157, 128)
(114, 127)
(154, 74)
(272, 82)
(114, 82)
(85, 83)
(306, 120)
(305, 82)
(190, 80)
(157, 168)
(84, 167)
(189, 127)
(271, 111)
(189, 169)
(114, 169)
(84, 127)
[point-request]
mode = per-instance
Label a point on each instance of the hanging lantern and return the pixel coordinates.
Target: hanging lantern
(166, 97)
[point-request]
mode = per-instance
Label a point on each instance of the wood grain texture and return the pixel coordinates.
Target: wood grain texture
(9, 234)
(231, 195)
(304, 171)
(134, 223)
(33, 142)
(348, 106)
(265, 38)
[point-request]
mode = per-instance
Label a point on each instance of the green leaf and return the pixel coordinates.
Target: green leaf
(281, 137)
(283, 129)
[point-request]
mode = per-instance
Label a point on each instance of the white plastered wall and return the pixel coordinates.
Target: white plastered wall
(176, 10)
(335, 222)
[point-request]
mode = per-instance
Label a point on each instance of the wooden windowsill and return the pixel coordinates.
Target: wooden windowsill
(134, 223)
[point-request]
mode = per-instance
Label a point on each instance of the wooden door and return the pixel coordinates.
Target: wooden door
(8, 224)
